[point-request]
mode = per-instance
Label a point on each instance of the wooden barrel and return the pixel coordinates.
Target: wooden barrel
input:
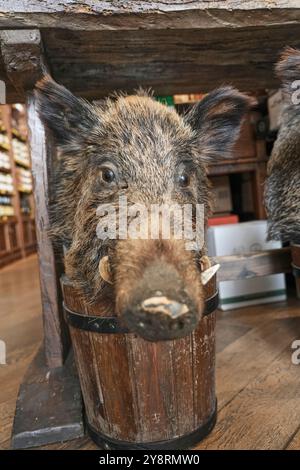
(139, 394)
(295, 249)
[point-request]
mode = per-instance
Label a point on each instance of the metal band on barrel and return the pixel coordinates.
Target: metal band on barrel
(182, 442)
(113, 325)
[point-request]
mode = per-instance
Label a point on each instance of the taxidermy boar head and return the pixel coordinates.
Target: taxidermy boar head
(136, 149)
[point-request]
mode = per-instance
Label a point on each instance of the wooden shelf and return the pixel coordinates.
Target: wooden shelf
(24, 191)
(7, 218)
(4, 147)
(23, 164)
(19, 136)
(6, 193)
(29, 249)
(17, 232)
(249, 157)
(5, 170)
(233, 166)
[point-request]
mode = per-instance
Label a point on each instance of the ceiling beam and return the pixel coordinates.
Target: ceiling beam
(23, 58)
(130, 15)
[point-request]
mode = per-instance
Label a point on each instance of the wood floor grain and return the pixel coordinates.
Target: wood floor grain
(258, 387)
(21, 329)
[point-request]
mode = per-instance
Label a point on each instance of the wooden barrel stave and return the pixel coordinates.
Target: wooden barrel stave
(138, 391)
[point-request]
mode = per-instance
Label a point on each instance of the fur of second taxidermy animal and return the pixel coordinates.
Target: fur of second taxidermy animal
(282, 191)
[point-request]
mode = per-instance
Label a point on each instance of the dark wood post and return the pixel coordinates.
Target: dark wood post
(24, 61)
(48, 389)
(42, 157)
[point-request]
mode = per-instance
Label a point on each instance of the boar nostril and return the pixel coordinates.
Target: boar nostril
(165, 306)
(160, 317)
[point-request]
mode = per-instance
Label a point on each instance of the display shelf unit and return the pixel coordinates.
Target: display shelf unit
(17, 226)
(9, 243)
(249, 155)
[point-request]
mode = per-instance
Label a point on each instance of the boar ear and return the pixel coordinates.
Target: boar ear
(288, 69)
(65, 115)
(217, 120)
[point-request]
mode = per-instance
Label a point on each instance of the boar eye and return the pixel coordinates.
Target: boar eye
(108, 175)
(183, 180)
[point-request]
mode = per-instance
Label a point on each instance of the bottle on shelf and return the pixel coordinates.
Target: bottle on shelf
(4, 141)
(4, 161)
(25, 205)
(21, 153)
(24, 180)
(6, 207)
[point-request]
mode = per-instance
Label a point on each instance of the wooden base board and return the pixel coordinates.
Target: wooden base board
(9, 257)
(30, 249)
(49, 406)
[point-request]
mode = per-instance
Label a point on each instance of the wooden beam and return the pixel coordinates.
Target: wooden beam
(23, 58)
(261, 263)
(95, 63)
(116, 15)
(95, 48)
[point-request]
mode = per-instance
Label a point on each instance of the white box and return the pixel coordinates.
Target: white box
(242, 238)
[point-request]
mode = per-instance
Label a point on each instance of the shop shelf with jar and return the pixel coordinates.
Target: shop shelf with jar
(17, 229)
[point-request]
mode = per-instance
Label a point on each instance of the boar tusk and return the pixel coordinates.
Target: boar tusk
(204, 263)
(104, 270)
(209, 273)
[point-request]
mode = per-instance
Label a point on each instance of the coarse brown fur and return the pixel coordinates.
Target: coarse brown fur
(282, 191)
(147, 143)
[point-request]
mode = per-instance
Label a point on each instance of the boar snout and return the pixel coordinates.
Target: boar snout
(159, 318)
(136, 147)
(160, 306)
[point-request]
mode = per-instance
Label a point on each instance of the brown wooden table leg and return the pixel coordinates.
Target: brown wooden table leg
(296, 266)
(49, 407)
(24, 61)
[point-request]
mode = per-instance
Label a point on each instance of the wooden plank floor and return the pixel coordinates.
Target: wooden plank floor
(258, 387)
